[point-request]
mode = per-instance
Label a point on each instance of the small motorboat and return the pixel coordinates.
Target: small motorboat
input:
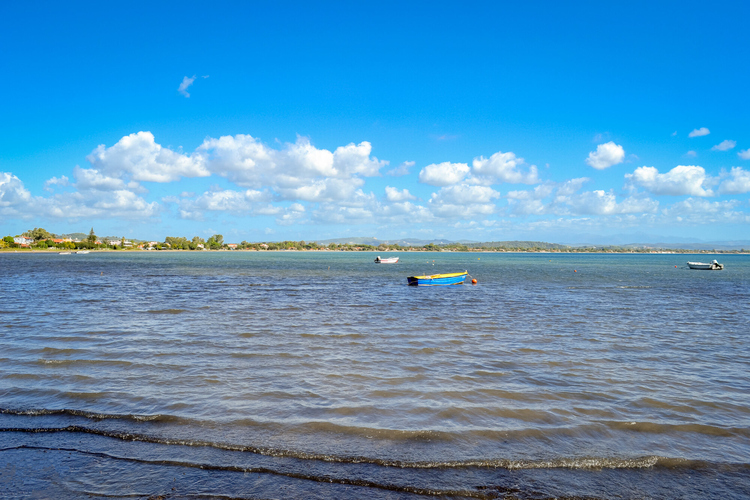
(391, 260)
(438, 279)
(83, 252)
(712, 266)
(64, 253)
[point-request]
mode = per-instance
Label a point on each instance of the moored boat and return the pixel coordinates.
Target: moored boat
(390, 260)
(83, 251)
(712, 266)
(438, 279)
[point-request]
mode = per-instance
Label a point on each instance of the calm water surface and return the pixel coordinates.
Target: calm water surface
(322, 375)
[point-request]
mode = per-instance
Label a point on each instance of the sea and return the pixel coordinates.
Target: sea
(322, 375)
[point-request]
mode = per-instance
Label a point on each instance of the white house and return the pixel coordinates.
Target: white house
(23, 240)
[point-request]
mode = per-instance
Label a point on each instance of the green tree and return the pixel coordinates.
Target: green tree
(92, 237)
(39, 233)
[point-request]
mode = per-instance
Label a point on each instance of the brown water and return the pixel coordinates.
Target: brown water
(322, 375)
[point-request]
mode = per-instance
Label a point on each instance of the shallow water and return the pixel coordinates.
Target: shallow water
(322, 375)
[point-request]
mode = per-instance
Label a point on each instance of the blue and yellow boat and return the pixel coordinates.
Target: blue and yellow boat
(438, 279)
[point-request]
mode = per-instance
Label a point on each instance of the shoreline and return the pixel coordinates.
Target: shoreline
(413, 250)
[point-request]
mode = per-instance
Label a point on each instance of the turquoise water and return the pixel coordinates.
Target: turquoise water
(322, 375)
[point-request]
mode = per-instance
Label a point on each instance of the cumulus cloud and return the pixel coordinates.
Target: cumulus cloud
(504, 167)
(593, 202)
(297, 171)
(139, 157)
(402, 169)
(247, 202)
(186, 82)
(91, 178)
(463, 201)
(12, 192)
(90, 204)
(600, 202)
(681, 180)
(606, 155)
(699, 211)
(444, 174)
(698, 132)
(530, 202)
(744, 154)
(63, 181)
(738, 182)
(395, 194)
(724, 145)
(355, 159)
(571, 186)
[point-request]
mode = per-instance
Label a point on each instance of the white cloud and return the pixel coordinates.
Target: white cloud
(737, 183)
(100, 204)
(698, 132)
(248, 202)
(744, 154)
(600, 202)
(402, 169)
(606, 155)
(186, 82)
(62, 181)
(691, 154)
(12, 192)
(298, 171)
(724, 145)
(355, 159)
(327, 189)
(142, 159)
(394, 194)
(242, 159)
(699, 211)
(571, 186)
(90, 178)
(463, 201)
(465, 195)
(681, 180)
(444, 174)
(504, 167)
(530, 201)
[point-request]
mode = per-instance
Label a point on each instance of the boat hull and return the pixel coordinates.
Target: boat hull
(713, 266)
(391, 260)
(438, 279)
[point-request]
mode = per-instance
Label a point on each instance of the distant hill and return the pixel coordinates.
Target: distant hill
(520, 244)
(405, 242)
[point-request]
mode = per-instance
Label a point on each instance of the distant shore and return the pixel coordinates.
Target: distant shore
(676, 251)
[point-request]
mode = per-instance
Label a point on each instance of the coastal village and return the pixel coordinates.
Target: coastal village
(39, 239)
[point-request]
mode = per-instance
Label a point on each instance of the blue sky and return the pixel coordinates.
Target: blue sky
(485, 121)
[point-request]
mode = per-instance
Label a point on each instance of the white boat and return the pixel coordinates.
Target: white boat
(64, 253)
(82, 252)
(712, 266)
(391, 260)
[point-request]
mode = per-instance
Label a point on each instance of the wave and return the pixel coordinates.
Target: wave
(166, 311)
(405, 434)
(265, 470)
(578, 463)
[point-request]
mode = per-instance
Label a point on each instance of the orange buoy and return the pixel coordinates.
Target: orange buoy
(575, 271)
(473, 282)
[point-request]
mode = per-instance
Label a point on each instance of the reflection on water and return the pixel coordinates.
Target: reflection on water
(556, 375)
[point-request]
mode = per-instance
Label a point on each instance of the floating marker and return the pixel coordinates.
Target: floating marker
(474, 282)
